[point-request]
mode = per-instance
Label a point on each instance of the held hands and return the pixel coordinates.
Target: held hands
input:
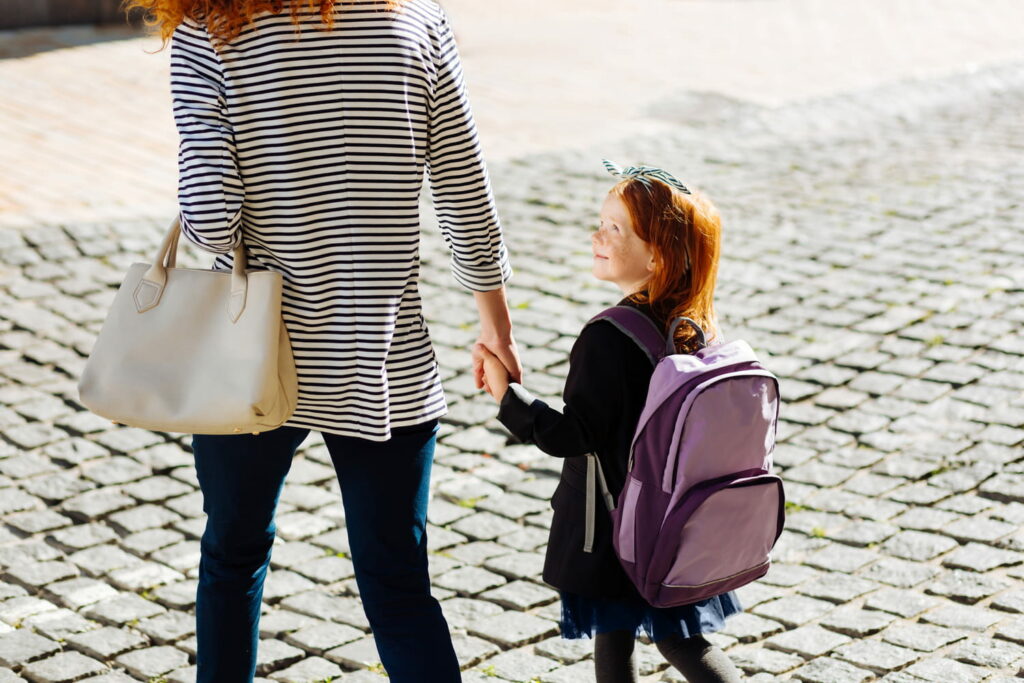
(491, 373)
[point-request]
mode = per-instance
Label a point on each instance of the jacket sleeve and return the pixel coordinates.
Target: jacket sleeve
(594, 395)
(210, 189)
(458, 175)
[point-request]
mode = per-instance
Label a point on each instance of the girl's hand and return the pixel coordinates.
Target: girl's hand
(495, 374)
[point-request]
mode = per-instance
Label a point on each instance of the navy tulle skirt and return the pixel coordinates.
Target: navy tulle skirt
(585, 617)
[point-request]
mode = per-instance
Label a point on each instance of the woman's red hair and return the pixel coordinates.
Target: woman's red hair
(680, 229)
(225, 19)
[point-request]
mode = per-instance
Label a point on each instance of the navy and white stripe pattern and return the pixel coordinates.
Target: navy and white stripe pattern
(642, 173)
(311, 148)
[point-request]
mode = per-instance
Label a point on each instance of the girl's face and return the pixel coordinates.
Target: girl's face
(620, 256)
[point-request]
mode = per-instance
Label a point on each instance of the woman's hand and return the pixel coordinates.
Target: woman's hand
(504, 348)
(495, 375)
(495, 335)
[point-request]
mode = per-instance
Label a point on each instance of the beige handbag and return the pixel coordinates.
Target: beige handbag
(193, 351)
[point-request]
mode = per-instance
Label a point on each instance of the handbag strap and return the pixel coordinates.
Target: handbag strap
(149, 290)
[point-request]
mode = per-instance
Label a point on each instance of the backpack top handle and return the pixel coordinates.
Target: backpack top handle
(670, 343)
(642, 330)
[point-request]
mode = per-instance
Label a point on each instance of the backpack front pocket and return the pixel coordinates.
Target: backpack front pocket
(725, 531)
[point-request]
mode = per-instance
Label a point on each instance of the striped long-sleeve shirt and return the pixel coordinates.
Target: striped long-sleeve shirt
(311, 148)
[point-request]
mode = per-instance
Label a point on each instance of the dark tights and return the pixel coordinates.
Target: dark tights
(697, 659)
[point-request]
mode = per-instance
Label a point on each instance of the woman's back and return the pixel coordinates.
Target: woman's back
(314, 145)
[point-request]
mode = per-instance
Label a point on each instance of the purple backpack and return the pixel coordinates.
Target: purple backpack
(700, 510)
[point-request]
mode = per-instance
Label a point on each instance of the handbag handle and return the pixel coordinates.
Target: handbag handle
(148, 292)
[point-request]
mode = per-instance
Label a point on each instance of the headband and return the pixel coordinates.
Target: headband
(643, 174)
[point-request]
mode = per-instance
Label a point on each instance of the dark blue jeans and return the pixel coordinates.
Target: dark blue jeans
(384, 488)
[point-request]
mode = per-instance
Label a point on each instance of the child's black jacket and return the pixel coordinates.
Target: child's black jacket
(604, 395)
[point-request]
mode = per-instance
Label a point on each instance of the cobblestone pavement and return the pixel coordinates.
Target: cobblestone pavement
(872, 256)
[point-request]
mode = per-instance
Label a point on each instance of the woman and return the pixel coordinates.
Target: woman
(304, 135)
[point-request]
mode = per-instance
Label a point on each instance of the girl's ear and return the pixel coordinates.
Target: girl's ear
(651, 264)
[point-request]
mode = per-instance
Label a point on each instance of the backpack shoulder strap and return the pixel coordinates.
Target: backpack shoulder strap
(637, 327)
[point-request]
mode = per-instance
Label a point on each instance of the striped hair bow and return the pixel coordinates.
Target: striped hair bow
(643, 173)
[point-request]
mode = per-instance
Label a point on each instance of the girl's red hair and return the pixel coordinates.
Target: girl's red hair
(680, 228)
(225, 19)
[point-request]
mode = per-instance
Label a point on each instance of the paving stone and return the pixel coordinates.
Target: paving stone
(320, 637)
(748, 628)
(143, 576)
(323, 606)
(837, 588)
(828, 670)
(563, 650)
(273, 655)
(152, 662)
(581, 672)
(156, 489)
(180, 596)
(92, 505)
(794, 610)
(81, 536)
(876, 656)
(484, 526)
(978, 529)
(148, 541)
(521, 595)
(899, 573)
(283, 583)
(863, 533)
(1004, 487)
(904, 603)
(925, 519)
(760, 660)
(20, 647)
(14, 500)
(38, 574)
(918, 546)
(326, 569)
(122, 609)
(923, 637)
(517, 565)
(56, 487)
(959, 616)
(840, 558)
(469, 581)
(311, 669)
(295, 526)
(100, 559)
(358, 655)
(989, 653)
(15, 610)
(167, 628)
(947, 671)
(59, 624)
(141, 518)
(856, 622)
(476, 552)
(512, 629)
(277, 623)
(807, 641)
(63, 667)
(460, 612)
(183, 556)
(966, 587)
(519, 665)
(80, 592)
(114, 470)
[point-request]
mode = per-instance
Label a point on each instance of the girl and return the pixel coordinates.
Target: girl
(659, 242)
